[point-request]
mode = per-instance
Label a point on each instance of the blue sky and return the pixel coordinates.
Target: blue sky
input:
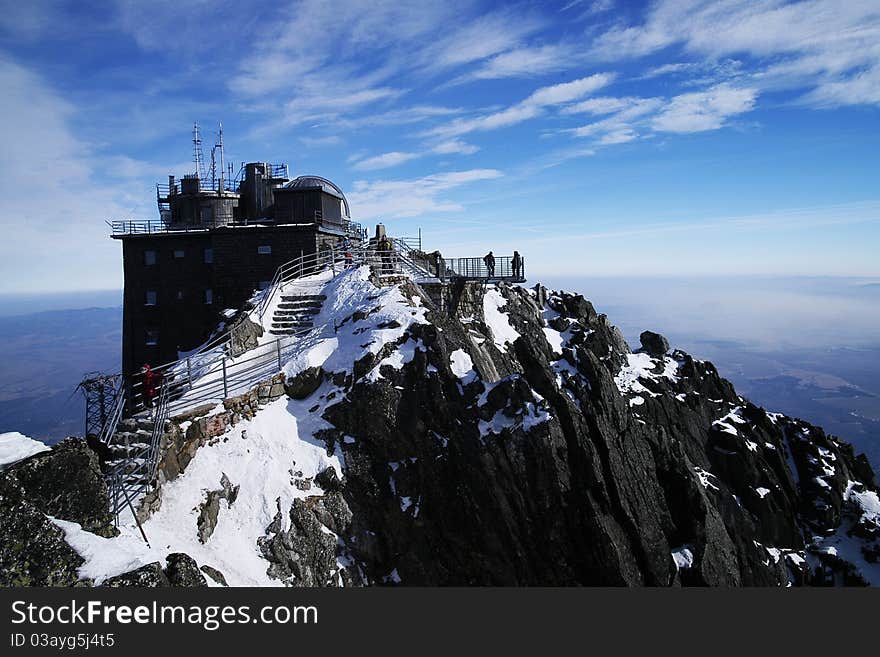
(598, 137)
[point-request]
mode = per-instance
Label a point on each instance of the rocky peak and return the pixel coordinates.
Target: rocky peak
(462, 434)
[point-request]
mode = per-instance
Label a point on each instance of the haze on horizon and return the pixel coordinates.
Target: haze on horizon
(598, 137)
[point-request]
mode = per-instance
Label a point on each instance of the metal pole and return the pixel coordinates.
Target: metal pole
(333, 259)
(225, 388)
(189, 376)
(278, 349)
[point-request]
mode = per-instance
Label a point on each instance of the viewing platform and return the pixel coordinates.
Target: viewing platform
(475, 269)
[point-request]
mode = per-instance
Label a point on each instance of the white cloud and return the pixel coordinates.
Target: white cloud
(455, 146)
(530, 61)
(479, 38)
(52, 206)
(704, 110)
(829, 47)
(396, 199)
(600, 105)
(384, 161)
(526, 109)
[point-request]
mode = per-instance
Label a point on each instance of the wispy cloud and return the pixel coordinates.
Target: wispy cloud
(455, 146)
(397, 199)
(526, 109)
(698, 111)
(704, 110)
(384, 160)
(50, 195)
(832, 48)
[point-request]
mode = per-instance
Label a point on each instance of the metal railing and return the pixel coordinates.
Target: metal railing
(155, 226)
(505, 268)
(115, 416)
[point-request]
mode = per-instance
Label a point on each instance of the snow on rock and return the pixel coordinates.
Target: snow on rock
(462, 365)
(498, 322)
(386, 315)
(683, 557)
(704, 476)
(15, 446)
(554, 339)
(641, 366)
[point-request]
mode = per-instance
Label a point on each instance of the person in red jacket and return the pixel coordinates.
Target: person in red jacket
(151, 379)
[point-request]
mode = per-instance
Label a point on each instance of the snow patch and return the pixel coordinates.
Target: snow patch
(15, 446)
(498, 322)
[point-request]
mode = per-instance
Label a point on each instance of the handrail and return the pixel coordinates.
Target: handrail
(115, 415)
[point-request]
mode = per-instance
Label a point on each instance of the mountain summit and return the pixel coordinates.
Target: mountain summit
(459, 434)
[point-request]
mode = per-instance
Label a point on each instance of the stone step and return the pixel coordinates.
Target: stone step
(122, 447)
(302, 319)
(280, 331)
(303, 297)
(312, 309)
(298, 319)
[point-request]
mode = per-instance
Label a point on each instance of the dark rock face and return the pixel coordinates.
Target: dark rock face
(244, 335)
(305, 383)
(33, 551)
(574, 464)
(64, 483)
(148, 576)
(182, 570)
(306, 554)
(654, 344)
(214, 574)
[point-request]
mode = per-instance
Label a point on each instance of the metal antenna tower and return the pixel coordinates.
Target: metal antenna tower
(100, 392)
(198, 158)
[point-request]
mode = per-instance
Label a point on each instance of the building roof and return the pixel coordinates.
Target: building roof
(317, 182)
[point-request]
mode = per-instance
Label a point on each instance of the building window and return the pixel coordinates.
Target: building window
(209, 296)
(179, 253)
(264, 249)
(152, 338)
(179, 296)
(209, 256)
(151, 298)
(149, 258)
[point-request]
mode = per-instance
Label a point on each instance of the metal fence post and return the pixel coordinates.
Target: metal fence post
(225, 388)
(333, 259)
(278, 349)
(189, 376)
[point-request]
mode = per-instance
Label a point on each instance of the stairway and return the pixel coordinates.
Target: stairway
(296, 313)
(131, 453)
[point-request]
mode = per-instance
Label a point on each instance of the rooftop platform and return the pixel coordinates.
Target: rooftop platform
(119, 229)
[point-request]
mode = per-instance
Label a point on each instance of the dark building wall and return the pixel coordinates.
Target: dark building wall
(180, 316)
(332, 208)
(241, 268)
(167, 297)
(301, 206)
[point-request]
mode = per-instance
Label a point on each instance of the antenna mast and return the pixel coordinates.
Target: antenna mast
(220, 146)
(198, 158)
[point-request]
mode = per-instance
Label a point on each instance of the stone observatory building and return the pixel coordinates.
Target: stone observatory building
(220, 237)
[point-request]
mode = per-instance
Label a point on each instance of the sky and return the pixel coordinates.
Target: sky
(597, 137)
